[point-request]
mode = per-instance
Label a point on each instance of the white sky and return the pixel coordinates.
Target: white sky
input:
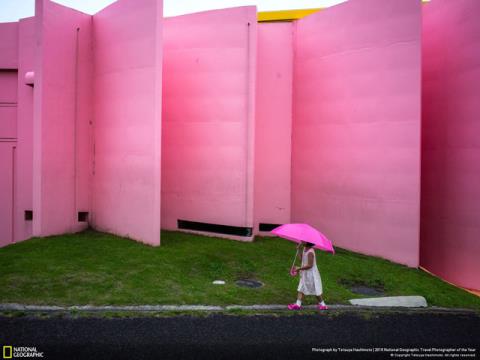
(12, 10)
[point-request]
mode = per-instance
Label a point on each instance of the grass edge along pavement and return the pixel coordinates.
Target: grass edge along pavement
(102, 269)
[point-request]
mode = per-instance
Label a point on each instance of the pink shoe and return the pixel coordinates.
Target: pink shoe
(322, 307)
(294, 307)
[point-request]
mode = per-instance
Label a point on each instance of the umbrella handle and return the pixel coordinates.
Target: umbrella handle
(294, 259)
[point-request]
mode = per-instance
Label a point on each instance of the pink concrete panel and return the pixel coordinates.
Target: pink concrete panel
(8, 104)
(208, 118)
(356, 126)
(450, 231)
(7, 156)
(127, 116)
(273, 123)
(9, 45)
(8, 86)
(24, 151)
(62, 112)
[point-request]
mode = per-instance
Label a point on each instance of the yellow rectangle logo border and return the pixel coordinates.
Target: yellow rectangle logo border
(5, 348)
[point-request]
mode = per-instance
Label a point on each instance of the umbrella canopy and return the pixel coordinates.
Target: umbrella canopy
(304, 232)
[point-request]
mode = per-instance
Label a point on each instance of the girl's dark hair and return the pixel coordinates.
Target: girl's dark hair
(309, 245)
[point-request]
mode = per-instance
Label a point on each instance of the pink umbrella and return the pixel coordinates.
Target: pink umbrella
(303, 232)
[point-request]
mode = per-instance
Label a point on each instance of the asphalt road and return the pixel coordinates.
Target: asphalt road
(336, 335)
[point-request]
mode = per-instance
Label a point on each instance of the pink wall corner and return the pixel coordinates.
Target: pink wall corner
(62, 109)
(356, 126)
(273, 123)
(9, 45)
(24, 151)
(208, 118)
(450, 228)
(127, 119)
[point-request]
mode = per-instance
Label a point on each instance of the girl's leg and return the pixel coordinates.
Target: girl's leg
(299, 298)
(321, 303)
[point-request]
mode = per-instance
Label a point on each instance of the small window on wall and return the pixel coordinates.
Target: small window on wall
(82, 216)
(267, 227)
(28, 215)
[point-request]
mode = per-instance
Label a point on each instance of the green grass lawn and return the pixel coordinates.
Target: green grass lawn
(99, 269)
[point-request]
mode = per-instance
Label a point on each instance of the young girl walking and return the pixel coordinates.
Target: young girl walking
(310, 280)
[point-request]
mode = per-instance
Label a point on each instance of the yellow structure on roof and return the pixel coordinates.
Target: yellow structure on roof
(284, 15)
(290, 15)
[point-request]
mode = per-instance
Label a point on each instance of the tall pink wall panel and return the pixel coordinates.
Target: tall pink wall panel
(208, 117)
(9, 45)
(7, 154)
(273, 123)
(127, 112)
(450, 245)
(356, 126)
(62, 112)
(24, 151)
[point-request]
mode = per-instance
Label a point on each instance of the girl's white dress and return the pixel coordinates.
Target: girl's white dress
(310, 280)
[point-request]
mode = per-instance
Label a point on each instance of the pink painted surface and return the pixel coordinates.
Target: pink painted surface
(356, 126)
(8, 104)
(9, 45)
(127, 112)
(208, 118)
(273, 123)
(450, 237)
(61, 109)
(24, 151)
(6, 191)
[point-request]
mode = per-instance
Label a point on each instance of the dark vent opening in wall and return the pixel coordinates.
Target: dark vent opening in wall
(214, 228)
(83, 216)
(267, 227)
(28, 215)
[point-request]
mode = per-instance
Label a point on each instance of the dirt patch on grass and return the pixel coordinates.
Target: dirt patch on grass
(373, 288)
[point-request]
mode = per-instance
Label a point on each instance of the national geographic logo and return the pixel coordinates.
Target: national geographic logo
(7, 352)
(18, 352)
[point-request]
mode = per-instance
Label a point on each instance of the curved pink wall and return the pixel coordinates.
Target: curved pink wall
(356, 126)
(62, 112)
(127, 113)
(450, 245)
(273, 123)
(208, 118)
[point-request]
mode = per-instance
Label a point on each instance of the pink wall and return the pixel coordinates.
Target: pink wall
(356, 126)
(450, 245)
(8, 104)
(8, 128)
(7, 154)
(273, 123)
(208, 118)
(24, 151)
(62, 109)
(9, 45)
(127, 129)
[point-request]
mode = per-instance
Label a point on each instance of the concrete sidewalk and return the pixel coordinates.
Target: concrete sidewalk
(209, 308)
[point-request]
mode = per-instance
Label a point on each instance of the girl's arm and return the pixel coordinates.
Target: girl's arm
(310, 263)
